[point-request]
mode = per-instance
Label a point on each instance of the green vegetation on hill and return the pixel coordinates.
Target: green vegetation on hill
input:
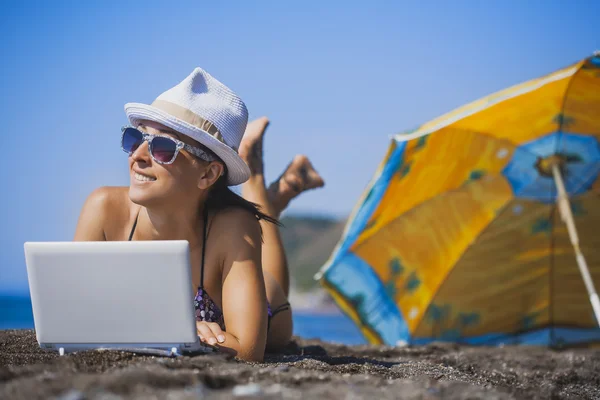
(309, 241)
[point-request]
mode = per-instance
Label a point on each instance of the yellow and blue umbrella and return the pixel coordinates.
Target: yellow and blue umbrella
(458, 236)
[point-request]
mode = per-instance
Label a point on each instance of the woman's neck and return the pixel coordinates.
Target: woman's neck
(171, 224)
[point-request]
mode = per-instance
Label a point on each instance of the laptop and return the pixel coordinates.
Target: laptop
(134, 296)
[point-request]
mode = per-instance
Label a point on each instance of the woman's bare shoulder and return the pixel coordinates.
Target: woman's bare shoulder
(106, 210)
(113, 198)
(234, 221)
(235, 231)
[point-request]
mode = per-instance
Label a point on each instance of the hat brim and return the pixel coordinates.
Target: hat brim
(238, 171)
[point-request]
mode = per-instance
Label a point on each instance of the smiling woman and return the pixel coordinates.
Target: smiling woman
(183, 156)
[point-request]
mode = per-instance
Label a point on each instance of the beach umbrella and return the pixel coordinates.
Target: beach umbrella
(483, 226)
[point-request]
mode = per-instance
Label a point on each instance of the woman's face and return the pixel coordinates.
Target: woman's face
(154, 184)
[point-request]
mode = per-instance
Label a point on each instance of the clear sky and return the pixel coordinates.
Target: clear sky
(336, 78)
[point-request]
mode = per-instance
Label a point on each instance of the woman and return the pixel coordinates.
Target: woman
(182, 159)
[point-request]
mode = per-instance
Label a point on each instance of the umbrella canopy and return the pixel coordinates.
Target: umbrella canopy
(458, 236)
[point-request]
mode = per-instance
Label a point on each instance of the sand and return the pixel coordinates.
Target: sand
(307, 369)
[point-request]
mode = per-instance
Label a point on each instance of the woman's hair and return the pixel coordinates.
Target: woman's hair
(221, 196)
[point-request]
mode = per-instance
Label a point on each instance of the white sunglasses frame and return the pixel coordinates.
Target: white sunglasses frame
(149, 137)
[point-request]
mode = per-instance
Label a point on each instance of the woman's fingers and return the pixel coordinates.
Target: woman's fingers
(217, 331)
(205, 333)
(210, 332)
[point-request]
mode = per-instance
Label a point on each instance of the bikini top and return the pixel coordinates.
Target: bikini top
(205, 308)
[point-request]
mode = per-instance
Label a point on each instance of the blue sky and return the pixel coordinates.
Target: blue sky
(335, 79)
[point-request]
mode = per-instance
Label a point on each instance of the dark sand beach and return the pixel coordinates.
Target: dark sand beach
(307, 369)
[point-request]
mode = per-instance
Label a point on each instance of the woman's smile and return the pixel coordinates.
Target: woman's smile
(142, 178)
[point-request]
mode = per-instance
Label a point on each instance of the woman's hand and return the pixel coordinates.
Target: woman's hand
(210, 332)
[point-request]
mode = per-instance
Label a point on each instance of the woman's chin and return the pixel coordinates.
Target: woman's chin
(140, 196)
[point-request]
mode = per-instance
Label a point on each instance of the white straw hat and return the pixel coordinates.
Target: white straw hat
(204, 109)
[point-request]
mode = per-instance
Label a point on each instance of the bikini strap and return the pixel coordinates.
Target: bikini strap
(134, 225)
(283, 307)
(205, 218)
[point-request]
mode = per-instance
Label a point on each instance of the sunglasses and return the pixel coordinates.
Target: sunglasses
(163, 149)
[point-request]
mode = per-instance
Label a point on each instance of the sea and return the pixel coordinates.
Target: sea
(16, 313)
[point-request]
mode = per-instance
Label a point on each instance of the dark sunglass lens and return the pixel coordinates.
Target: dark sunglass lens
(132, 138)
(163, 149)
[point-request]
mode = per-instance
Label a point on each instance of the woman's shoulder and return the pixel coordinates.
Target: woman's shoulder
(234, 221)
(235, 235)
(234, 230)
(109, 198)
(106, 211)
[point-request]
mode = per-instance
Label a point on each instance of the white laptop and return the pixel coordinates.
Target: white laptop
(135, 296)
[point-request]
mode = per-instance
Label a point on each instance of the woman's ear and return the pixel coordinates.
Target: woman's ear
(210, 174)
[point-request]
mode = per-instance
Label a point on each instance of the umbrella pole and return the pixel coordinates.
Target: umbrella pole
(567, 216)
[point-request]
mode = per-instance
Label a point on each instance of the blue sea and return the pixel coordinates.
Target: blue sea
(16, 313)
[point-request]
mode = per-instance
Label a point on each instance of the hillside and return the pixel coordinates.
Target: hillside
(309, 241)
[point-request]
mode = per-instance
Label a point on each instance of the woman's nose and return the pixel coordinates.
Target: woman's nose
(142, 153)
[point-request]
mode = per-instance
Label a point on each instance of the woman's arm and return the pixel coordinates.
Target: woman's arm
(90, 226)
(244, 298)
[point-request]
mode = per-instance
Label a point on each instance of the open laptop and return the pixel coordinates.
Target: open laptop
(135, 296)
